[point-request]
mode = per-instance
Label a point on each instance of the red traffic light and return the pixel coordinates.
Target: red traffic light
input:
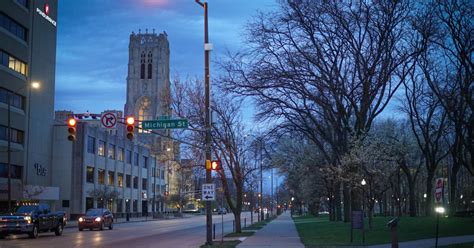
(130, 120)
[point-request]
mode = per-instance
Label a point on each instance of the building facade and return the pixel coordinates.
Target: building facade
(27, 57)
(102, 168)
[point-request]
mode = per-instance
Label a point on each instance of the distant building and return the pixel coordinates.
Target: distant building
(27, 55)
(104, 169)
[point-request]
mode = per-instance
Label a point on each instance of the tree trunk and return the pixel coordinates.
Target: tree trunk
(238, 226)
(429, 193)
(371, 217)
(337, 203)
(411, 197)
(452, 194)
(347, 203)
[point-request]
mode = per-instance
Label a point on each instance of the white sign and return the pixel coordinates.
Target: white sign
(439, 190)
(45, 14)
(208, 192)
(108, 120)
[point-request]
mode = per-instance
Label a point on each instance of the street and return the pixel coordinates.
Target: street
(185, 232)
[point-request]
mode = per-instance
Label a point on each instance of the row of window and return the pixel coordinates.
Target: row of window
(102, 203)
(111, 178)
(16, 100)
(111, 152)
(13, 63)
(16, 171)
(17, 136)
(13, 27)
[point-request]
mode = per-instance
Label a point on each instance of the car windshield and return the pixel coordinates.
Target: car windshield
(94, 212)
(26, 209)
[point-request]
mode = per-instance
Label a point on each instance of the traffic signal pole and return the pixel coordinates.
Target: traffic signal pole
(207, 88)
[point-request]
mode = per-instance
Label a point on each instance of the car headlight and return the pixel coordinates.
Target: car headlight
(81, 219)
(98, 219)
(28, 219)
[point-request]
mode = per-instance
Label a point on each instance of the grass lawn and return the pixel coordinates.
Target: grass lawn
(320, 231)
(225, 244)
(259, 225)
(242, 234)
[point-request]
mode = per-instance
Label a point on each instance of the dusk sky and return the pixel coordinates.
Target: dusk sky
(93, 37)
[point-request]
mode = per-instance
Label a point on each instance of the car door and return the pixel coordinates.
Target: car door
(107, 217)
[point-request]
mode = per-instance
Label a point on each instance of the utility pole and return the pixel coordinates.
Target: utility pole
(262, 217)
(207, 88)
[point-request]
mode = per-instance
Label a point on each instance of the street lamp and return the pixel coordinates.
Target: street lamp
(363, 182)
(439, 210)
(34, 85)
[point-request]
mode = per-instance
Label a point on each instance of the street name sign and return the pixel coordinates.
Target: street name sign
(165, 124)
(208, 192)
(439, 190)
(108, 120)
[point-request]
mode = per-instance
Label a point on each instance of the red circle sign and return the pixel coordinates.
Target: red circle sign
(108, 120)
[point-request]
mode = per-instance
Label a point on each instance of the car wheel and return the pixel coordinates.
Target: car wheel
(111, 226)
(90, 229)
(80, 229)
(34, 233)
(59, 230)
(101, 226)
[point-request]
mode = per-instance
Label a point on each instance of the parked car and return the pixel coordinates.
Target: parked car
(222, 211)
(31, 220)
(96, 218)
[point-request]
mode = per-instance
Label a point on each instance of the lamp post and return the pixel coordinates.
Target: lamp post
(34, 85)
(207, 86)
(363, 183)
(439, 211)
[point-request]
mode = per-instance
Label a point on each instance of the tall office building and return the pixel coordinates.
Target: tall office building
(27, 55)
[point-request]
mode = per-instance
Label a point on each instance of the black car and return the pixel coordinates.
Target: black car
(96, 218)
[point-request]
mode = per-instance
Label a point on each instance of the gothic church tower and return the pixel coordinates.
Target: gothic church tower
(148, 83)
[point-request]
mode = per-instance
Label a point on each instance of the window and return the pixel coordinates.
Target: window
(149, 71)
(120, 154)
(90, 174)
(23, 3)
(135, 159)
(16, 171)
(128, 181)
(129, 157)
(90, 144)
(144, 113)
(135, 182)
(111, 151)
(101, 176)
(135, 205)
(142, 66)
(13, 63)
(89, 203)
(163, 174)
(119, 205)
(16, 136)
(65, 203)
(144, 184)
(17, 101)
(12, 26)
(101, 150)
(111, 177)
(145, 162)
(120, 179)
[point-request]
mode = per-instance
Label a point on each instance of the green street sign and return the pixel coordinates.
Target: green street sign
(165, 124)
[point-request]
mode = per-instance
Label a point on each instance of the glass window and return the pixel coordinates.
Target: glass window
(135, 205)
(90, 174)
(16, 171)
(90, 144)
(3, 133)
(135, 159)
(120, 179)
(111, 151)
(128, 181)
(12, 26)
(163, 174)
(89, 203)
(17, 136)
(13, 63)
(111, 177)
(120, 154)
(145, 162)
(119, 205)
(101, 150)
(149, 71)
(142, 71)
(129, 157)
(16, 100)
(144, 184)
(135, 182)
(101, 176)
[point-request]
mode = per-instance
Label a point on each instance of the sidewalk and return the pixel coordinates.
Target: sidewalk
(280, 233)
(430, 242)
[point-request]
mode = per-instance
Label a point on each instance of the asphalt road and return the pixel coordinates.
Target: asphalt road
(172, 233)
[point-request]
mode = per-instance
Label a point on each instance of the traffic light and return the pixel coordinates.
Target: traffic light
(216, 165)
(130, 127)
(71, 123)
(208, 164)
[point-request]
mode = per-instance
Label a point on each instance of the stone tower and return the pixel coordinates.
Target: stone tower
(148, 83)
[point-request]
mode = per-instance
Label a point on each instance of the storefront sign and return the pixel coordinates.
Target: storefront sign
(45, 14)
